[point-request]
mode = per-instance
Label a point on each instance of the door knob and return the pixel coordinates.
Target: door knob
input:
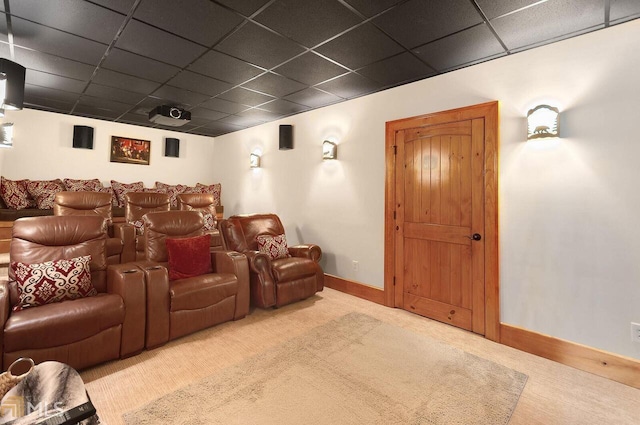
(476, 236)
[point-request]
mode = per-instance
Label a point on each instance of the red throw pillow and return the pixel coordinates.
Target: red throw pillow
(44, 192)
(14, 193)
(52, 281)
(189, 257)
(274, 246)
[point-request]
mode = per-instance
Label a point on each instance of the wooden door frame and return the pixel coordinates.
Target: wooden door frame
(489, 112)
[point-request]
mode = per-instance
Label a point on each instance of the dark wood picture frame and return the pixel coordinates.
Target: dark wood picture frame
(130, 151)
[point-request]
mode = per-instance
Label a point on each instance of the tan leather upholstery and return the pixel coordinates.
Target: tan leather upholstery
(81, 332)
(204, 203)
(180, 307)
(137, 204)
(121, 244)
(273, 282)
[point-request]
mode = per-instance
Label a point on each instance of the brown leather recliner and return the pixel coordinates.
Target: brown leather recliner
(205, 204)
(81, 332)
(121, 241)
(273, 282)
(136, 205)
(180, 307)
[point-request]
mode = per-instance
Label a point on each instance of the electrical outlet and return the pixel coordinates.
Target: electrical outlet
(635, 332)
(355, 266)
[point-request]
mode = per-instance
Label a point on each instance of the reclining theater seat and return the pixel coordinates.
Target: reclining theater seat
(121, 241)
(274, 282)
(81, 332)
(186, 305)
(136, 205)
(205, 204)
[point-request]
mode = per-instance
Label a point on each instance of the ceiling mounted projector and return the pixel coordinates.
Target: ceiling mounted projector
(169, 115)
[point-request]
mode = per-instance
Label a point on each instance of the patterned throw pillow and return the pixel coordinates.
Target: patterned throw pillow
(216, 189)
(120, 189)
(173, 190)
(44, 192)
(209, 221)
(188, 257)
(273, 246)
(139, 225)
(14, 193)
(73, 185)
(114, 199)
(52, 281)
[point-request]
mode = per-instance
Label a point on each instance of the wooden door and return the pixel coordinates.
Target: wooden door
(439, 207)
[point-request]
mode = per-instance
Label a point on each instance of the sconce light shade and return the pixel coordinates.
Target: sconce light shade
(6, 135)
(329, 150)
(254, 160)
(172, 147)
(543, 122)
(11, 85)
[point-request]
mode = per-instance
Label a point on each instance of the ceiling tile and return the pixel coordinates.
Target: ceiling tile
(206, 114)
(178, 96)
(225, 106)
(495, 8)
(111, 93)
(48, 104)
(145, 68)
(260, 114)
(308, 22)
(150, 103)
(245, 97)
(274, 85)
(313, 98)
(372, 7)
(461, 48)
(199, 20)
(146, 40)
(74, 16)
(240, 121)
(48, 40)
(246, 7)
(91, 111)
(122, 81)
(122, 6)
(418, 22)
(360, 47)
(54, 81)
(53, 64)
(134, 118)
(259, 46)
(310, 69)
(621, 9)
(48, 93)
(350, 85)
(281, 107)
(112, 108)
(224, 67)
(199, 83)
(548, 20)
(397, 69)
(222, 126)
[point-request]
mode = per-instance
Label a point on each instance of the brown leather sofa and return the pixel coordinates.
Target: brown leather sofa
(180, 307)
(273, 282)
(121, 241)
(137, 204)
(205, 204)
(81, 332)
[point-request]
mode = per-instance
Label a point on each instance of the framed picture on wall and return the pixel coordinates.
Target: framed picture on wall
(130, 151)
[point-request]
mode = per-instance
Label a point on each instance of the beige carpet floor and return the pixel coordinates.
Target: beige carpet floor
(352, 370)
(553, 395)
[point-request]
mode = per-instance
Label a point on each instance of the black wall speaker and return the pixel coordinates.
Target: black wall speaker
(172, 147)
(82, 137)
(286, 137)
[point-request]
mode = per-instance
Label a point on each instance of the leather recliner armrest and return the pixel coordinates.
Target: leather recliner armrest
(127, 234)
(310, 251)
(235, 263)
(262, 283)
(158, 303)
(128, 281)
(5, 310)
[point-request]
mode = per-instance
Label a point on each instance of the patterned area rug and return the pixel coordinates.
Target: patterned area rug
(353, 370)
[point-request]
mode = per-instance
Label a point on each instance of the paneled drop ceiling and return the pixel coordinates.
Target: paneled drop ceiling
(239, 63)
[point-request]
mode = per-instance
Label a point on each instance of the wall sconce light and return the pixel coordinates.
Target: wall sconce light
(329, 150)
(11, 85)
(254, 160)
(543, 122)
(6, 135)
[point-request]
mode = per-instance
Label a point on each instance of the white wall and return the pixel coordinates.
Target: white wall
(569, 238)
(42, 150)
